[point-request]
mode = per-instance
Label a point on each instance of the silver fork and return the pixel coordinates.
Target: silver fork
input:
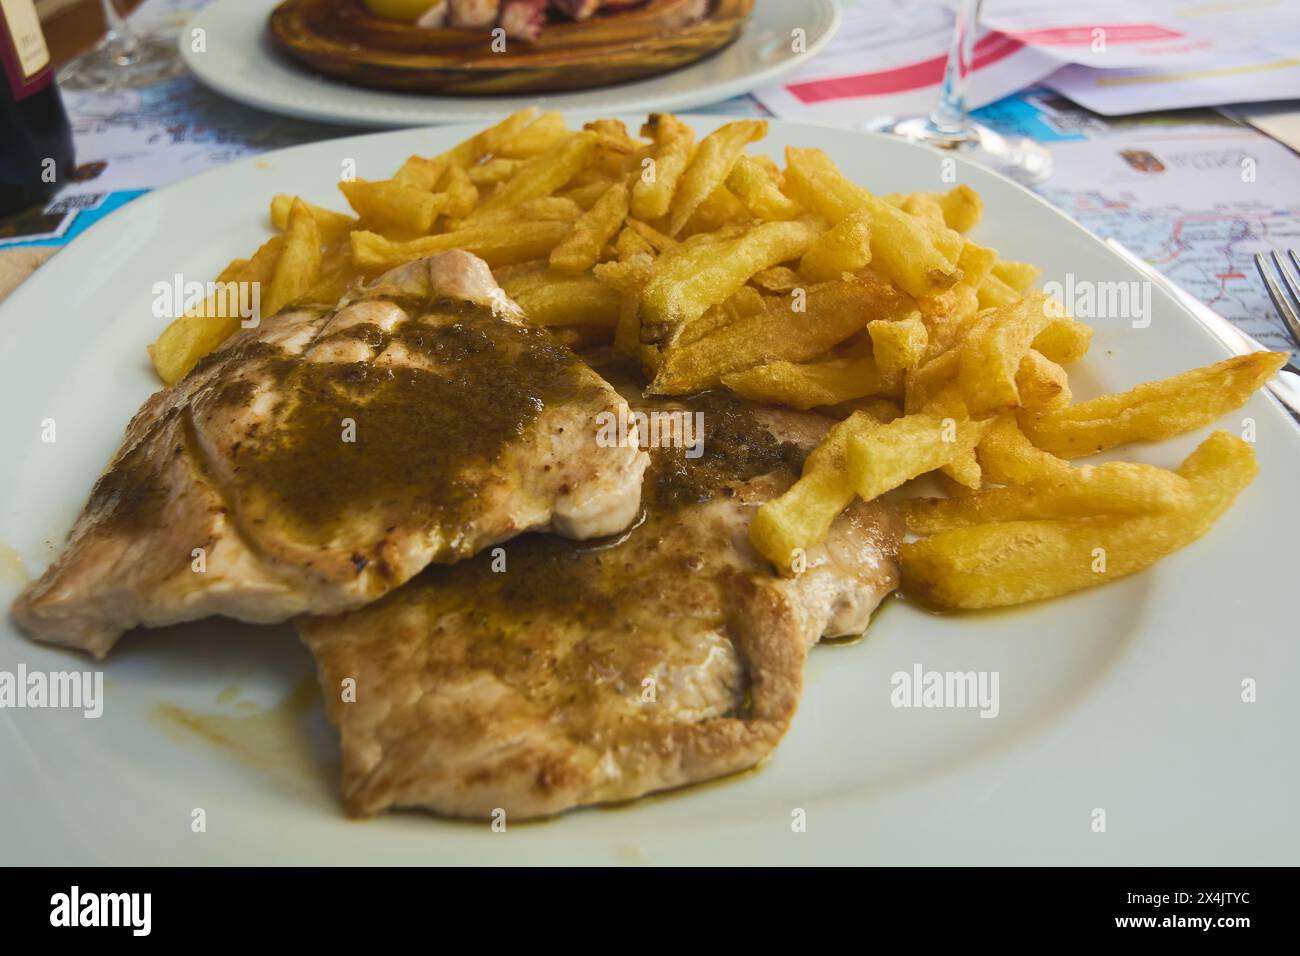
(1287, 308)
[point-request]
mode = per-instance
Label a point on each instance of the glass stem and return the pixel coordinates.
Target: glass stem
(949, 117)
(120, 39)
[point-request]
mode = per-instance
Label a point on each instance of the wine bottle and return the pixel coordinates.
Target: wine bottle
(35, 139)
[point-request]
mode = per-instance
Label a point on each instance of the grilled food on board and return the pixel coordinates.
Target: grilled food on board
(490, 47)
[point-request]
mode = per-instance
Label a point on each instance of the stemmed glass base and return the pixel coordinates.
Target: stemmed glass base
(1015, 157)
(116, 63)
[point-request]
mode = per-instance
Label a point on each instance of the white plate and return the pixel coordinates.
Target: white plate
(238, 61)
(1125, 698)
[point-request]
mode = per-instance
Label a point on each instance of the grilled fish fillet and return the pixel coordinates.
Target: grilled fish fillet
(553, 675)
(322, 459)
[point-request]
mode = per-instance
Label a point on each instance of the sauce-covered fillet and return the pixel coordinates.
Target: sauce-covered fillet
(318, 461)
(559, 675)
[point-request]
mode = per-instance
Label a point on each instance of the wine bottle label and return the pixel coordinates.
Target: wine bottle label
(22, 48)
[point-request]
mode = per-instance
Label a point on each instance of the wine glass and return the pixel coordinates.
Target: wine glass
(123, 59)
(950, 127)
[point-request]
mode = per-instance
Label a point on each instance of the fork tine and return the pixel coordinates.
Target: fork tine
(1280, 301)
(1287, 278)
(1295, 259)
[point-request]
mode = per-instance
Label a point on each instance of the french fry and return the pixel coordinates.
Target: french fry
(1115, 488)
(489, 140)
(744, 302)
(615, 131)
(543, 209)
(962, 208)
(709, 168)
(898, 344)
(881, 409)
(298, 266)
(462, 194)
(629, 275)
(948, 316)
(1019, 275)
(1009, 458)
(1063, 340)
(586, 195)
(994, 293)
(387, 203)
(627, 337)
(963, 467)
(925, 381)
(976, 263)
(200, 330)
(420, 173)
(611, 158)
(333, 226)
(919, 255)
(550, 298)
(1041, 383)
(694, 277)
(882, 457)
(992, 351)
(777, 279)
(835, 311)
(811, 385)
(1015, 562)
(337, 274)
(494, 171)
(657, 239)
(497, 244)
(1152, 411)
(814, 181)
(924, 206)
(786, 528)
(542, 175)
(751, 183)
(631, 243)
(845, 247)
(542, 134)
(721, 208)
(580, 249)
(652, 193)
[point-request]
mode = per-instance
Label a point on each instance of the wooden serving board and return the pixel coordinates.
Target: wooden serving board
(341, 39)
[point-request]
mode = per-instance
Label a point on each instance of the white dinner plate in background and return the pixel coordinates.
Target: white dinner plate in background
(238, 61)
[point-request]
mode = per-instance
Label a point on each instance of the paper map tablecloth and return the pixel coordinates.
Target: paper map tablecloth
(1221, 193)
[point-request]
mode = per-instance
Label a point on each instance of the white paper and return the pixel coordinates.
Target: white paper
(1235, 78)
(1151, 34)
(1278, 120)
(888, 60)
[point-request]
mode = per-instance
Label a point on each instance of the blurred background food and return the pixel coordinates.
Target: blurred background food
(475, 47)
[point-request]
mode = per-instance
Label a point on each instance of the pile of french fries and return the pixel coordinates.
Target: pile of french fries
(714, 268)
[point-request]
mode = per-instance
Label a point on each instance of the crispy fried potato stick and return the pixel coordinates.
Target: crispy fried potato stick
(1152, 411)
(1015, 562)
(1115, 488)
